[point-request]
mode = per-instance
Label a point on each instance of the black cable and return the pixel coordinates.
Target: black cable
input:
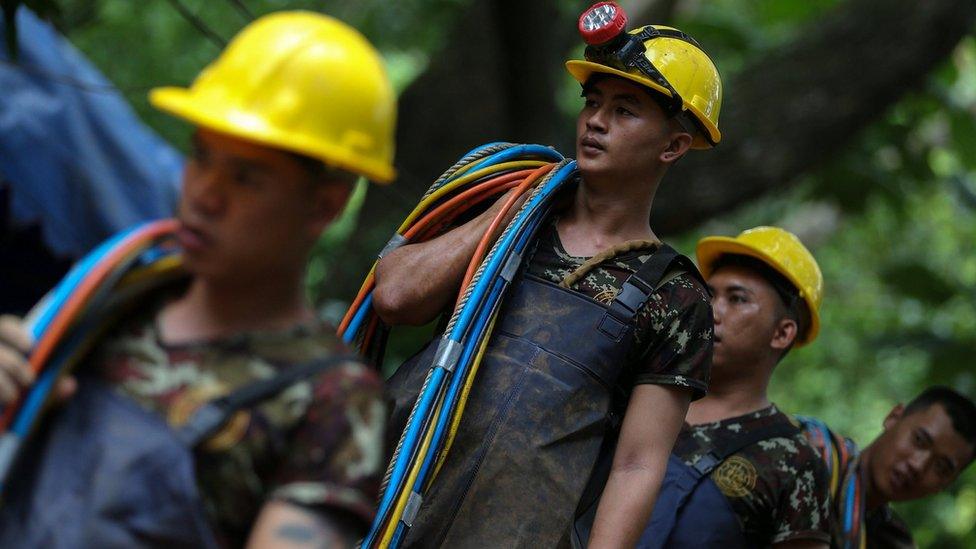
(242, 9)
(198, 23)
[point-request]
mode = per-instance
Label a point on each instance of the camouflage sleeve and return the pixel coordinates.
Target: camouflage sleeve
(675, 337)
(334, 456)
(804, 507)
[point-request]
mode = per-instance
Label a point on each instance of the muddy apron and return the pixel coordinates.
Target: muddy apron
(546, 397)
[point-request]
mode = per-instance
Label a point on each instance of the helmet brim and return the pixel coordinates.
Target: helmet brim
(183, 103)
(710, 249)
(583, 70)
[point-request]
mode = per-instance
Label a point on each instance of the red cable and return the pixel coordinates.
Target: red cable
(68, 313)
(489, 236)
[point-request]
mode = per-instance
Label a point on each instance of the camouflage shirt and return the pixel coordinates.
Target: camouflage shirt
(886, 530)
(674, 329)
(776, 487)
(317, 443)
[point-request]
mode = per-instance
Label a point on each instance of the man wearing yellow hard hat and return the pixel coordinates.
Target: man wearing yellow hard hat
(742, 473)
(562, 377)
(292, 112)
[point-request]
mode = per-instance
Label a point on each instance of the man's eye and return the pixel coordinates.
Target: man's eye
(200, 154)
(624, 112)
(244, 177)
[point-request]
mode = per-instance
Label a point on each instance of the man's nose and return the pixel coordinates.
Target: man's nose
(596, 122)
(205, 191)
(917, 463)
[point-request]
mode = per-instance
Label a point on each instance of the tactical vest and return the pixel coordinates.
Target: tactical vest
(546, 398)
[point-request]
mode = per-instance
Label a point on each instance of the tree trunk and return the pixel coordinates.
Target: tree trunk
(782, 116)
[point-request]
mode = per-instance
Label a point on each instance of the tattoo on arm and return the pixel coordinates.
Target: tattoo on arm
(319, 532)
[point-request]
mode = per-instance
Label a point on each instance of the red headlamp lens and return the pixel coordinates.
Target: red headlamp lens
(602, 23)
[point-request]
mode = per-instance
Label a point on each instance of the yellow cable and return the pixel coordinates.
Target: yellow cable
(475, 175)
(463, 399)
(394, 521)
(418, 461)
(162, 265)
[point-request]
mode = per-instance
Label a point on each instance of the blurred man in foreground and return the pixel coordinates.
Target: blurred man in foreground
(294, 110)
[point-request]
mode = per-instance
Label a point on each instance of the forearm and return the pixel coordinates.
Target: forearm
(415, 282)
(651, 424)
(625, 506)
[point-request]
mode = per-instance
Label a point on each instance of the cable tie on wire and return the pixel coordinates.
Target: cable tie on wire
(447, 355)
(511, 266)
(412, 508)
(395, 242)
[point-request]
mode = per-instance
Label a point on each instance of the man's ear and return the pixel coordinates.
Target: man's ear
(893, 416)
(677, 147)
(328, 200)
(784, 335)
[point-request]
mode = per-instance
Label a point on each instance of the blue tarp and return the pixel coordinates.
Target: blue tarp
(79, 161)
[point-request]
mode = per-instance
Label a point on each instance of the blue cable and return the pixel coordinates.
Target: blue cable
(67, 286)
(484, 307)
(421, 414)
(496, 263)
(480, 305)
(37, 394)
(357, 320)
(518, 151)
(409, 442)
(478, 332)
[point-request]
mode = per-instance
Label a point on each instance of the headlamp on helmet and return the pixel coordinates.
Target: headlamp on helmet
(604, 29)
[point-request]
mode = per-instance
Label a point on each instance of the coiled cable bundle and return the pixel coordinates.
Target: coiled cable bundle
(69, 319)
(537, 173)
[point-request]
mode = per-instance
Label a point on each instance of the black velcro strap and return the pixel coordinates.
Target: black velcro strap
(708, 462)
(640, 285)
(212, 416)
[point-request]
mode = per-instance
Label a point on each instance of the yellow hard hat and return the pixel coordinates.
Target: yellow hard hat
(784, 253)
(302, 82)
(682, 64)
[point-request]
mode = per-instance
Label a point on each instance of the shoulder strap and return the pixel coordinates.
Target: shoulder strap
(722, 451)
(213, 415)
(640, 286)
(835, 452)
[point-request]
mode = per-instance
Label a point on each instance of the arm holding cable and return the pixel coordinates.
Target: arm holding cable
(15, 372)
(651, 424)
(415, 282)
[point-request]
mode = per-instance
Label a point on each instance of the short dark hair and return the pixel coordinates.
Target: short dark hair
(320, 171)
(795, 308)
(961, 410)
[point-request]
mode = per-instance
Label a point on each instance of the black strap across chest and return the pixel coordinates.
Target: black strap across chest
(213, 415)
(726, 448)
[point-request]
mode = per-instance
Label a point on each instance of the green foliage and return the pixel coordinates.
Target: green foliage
(900, 277)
